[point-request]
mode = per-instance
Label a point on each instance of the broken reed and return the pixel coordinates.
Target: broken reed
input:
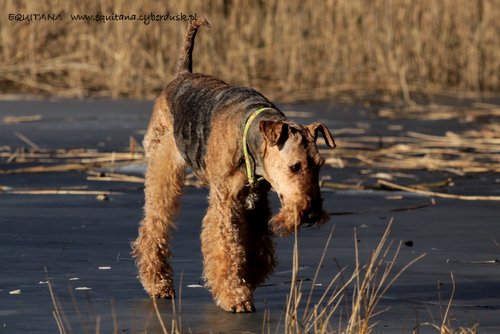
(369, 282)
(287, 49)
(475, 150)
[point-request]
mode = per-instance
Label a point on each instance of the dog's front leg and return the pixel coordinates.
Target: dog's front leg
(223, 253)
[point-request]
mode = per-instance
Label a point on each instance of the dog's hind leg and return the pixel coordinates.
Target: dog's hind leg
(164, 181)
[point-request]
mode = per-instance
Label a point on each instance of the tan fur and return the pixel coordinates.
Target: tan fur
(296, 190)
(236, 237)
(233, 235)
(164, 181)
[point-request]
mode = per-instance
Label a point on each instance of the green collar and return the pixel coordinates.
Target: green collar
(249, 161)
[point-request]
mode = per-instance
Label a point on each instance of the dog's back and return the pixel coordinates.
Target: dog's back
(195, 99)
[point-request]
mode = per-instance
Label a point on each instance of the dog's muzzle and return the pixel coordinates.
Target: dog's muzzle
(315, 215)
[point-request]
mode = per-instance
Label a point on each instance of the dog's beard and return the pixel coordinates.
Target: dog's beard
(288, 219)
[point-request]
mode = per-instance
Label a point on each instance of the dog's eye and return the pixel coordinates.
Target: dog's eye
(296, 168)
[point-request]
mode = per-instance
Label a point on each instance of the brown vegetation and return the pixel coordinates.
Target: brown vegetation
(349, 304)
(287, 49)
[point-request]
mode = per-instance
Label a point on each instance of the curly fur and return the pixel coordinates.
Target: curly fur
(198, 122)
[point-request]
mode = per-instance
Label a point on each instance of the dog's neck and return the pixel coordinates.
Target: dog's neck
(255, 140)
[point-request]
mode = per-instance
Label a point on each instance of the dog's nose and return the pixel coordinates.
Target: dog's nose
(315, 212)
(313, 217)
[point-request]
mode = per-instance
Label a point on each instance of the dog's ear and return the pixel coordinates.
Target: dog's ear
(316, 127)
(275, 132)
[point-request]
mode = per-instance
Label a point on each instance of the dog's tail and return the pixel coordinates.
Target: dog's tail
(185, 63)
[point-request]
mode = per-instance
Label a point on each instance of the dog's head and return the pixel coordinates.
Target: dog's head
(291, 163)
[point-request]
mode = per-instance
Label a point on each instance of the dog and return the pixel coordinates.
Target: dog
(239, 144)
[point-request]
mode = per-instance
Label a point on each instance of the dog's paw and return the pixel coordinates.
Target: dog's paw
(168, 294)
(245, 307)
(163, 291)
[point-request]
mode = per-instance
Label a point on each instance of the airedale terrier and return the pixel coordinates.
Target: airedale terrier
(239, 144)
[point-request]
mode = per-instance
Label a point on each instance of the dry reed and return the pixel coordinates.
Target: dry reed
(288, 49)
(475, 150)
(459, 154)
(391, 185)
(64, 160)
(369, 281)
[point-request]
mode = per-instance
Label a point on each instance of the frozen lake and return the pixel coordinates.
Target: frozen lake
(82, 245)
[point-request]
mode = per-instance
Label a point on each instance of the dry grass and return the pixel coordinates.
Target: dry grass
(68, 160)
(466, 153)
(361, 291)
(369, 283)
(288, 49)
